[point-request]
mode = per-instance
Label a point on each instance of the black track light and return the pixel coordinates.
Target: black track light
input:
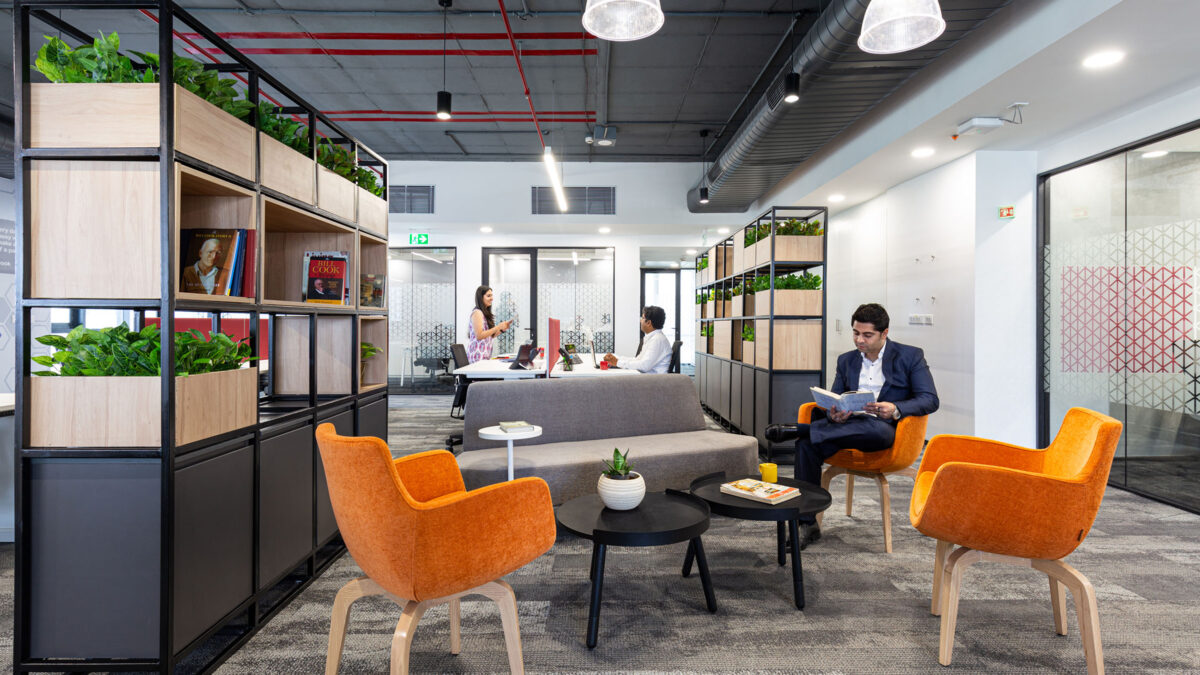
(443, 97)
(703, 195)
(443, 105)
(791, 87)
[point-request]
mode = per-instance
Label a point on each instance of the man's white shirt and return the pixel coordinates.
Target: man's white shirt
(871, 378)
(655, 356)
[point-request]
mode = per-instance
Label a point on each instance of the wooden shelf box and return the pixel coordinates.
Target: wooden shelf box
(287, 171)
(372, 213)
(736, 341)
(209, 203)
(117, 412)
(797, 344)
(748, 356)
(793, 248)
(373, 372)
(288, 232)
(372, 259)
(739, 252)
(722, 343)
(336, 355)
(336, 194)
(103, 115)
(796, 302)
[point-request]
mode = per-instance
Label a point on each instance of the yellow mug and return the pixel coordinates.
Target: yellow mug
(769, 471)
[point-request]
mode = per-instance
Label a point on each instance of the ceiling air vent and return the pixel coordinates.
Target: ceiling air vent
(410, 199)
(583, 201)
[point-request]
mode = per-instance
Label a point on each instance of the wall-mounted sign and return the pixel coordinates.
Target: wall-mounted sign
(415, 239)
(1006, 212)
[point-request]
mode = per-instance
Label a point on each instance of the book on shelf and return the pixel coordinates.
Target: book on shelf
(206, 260)
(325, 276)
(852, 401)
(760, 491)
(515, 427)
(370, 290)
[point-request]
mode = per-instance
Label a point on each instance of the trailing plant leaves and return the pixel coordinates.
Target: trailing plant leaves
(367, 350)
(748, 331)
(119, 352)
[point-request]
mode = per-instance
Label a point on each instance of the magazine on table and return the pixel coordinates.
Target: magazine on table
(760, 491)
(852, 401)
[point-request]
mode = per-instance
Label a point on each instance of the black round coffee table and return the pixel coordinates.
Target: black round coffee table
(812, 499)
(662, 518)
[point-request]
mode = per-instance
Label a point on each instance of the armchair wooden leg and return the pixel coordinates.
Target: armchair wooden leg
(403, 637)
(849, 494)
(827, 477)
(1058, 601)
(503, 595)
(885, 501)
(455, 627)
(956, 564)
(939, 562)
(1085, 607)
(352, 591)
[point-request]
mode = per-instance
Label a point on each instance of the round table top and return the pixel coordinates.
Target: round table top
(661, 518)
(812, 499)
(498, 434)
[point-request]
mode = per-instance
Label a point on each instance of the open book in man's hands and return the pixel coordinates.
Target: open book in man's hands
(853, 401)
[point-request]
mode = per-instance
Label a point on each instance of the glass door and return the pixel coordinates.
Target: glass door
(512, 274)
(575, 286)
(421, 315)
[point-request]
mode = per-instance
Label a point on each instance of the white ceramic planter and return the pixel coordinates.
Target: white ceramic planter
(621, 495)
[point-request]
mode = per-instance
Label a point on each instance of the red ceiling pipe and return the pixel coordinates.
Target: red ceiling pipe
(525, 83)
(301, 35)
(337, 51)
(587, 113)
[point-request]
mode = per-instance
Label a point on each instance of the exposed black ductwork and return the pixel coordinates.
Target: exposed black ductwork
(839, 83)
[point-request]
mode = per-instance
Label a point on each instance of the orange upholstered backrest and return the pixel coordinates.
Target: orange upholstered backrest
(374, 511)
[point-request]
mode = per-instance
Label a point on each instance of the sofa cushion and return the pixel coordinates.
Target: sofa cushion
(572, 468)
(574, 409)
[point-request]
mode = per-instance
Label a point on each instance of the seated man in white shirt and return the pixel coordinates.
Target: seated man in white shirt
(655, 354)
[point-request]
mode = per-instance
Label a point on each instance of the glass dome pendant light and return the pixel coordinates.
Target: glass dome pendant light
(894, 26)
(623, 20)
(443, 96)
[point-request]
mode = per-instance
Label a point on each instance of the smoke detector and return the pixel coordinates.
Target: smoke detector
(603, 135)
(979, 125)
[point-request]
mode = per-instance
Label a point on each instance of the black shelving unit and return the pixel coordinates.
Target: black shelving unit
(169, 558)
(746, 398)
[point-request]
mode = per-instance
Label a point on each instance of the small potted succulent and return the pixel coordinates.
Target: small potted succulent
(619, 486)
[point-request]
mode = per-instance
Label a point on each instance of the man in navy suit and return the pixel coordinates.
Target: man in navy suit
(902, 384)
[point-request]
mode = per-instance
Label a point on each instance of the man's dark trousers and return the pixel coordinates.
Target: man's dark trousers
(862, 432)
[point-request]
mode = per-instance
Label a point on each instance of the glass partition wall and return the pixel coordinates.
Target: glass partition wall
(421, 317)
(1120, 240)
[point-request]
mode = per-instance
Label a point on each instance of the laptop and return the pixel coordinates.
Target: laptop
(524, 360)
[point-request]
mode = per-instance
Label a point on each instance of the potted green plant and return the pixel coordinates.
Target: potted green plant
(736, 303)
(366, 351)
(710, 304)
(797, 239)
(701, 298)
(620, 487)
(798, 294)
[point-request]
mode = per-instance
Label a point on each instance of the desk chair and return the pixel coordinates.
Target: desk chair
(898, 459)
(1020, 506)
(458, 404)
(674, 367)
(423, 540)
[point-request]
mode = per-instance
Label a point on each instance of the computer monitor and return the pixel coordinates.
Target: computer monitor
(552, 345)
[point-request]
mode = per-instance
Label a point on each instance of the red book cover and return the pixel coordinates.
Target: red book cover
(326, 280)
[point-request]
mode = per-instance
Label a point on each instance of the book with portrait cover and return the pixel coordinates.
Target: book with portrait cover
(206, 260)
(325, 278)
(370, 290)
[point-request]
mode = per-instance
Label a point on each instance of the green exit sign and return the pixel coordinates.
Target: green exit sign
(418, 239)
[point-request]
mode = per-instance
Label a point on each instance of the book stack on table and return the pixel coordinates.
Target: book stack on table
(515, 427)
(759, 491)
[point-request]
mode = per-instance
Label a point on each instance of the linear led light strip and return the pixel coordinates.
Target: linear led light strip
(555, 181)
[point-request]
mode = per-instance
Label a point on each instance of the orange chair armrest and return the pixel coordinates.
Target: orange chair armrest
(429, 475)
(469, 538)
(804, 415)
(1006, 511)
(945, 448)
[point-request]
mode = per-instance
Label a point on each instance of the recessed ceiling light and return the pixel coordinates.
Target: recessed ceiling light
(837, 198)
(1104, 59)
(605, 230)
(723, 230)
(485, 229)
(691, 251)
(674, 264)
(921, 152)
(1154, 154)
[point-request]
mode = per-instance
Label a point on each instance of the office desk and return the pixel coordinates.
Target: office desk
(495, 369)
(586, 369)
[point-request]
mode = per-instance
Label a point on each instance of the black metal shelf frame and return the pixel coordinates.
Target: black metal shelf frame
(771, 216)
(313, 408)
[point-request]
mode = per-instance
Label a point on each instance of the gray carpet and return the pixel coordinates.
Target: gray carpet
(867, 611)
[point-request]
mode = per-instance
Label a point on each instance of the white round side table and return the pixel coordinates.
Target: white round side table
(498, 434)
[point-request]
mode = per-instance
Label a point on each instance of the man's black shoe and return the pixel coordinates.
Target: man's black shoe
(778, 433)
(809, 532)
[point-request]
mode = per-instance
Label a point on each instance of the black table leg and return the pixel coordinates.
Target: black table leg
(592, 570)
(702, 563)
(597, 587)
(781, 537)
(687, 559)
(797, 571)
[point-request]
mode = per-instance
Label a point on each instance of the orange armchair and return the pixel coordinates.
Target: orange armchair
(898, 459)
(423, 540)
(1020, 506)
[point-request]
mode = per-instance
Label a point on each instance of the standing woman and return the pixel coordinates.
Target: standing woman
(482, 326)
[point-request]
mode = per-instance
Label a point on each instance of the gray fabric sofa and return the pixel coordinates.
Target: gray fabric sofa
(657, 418)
